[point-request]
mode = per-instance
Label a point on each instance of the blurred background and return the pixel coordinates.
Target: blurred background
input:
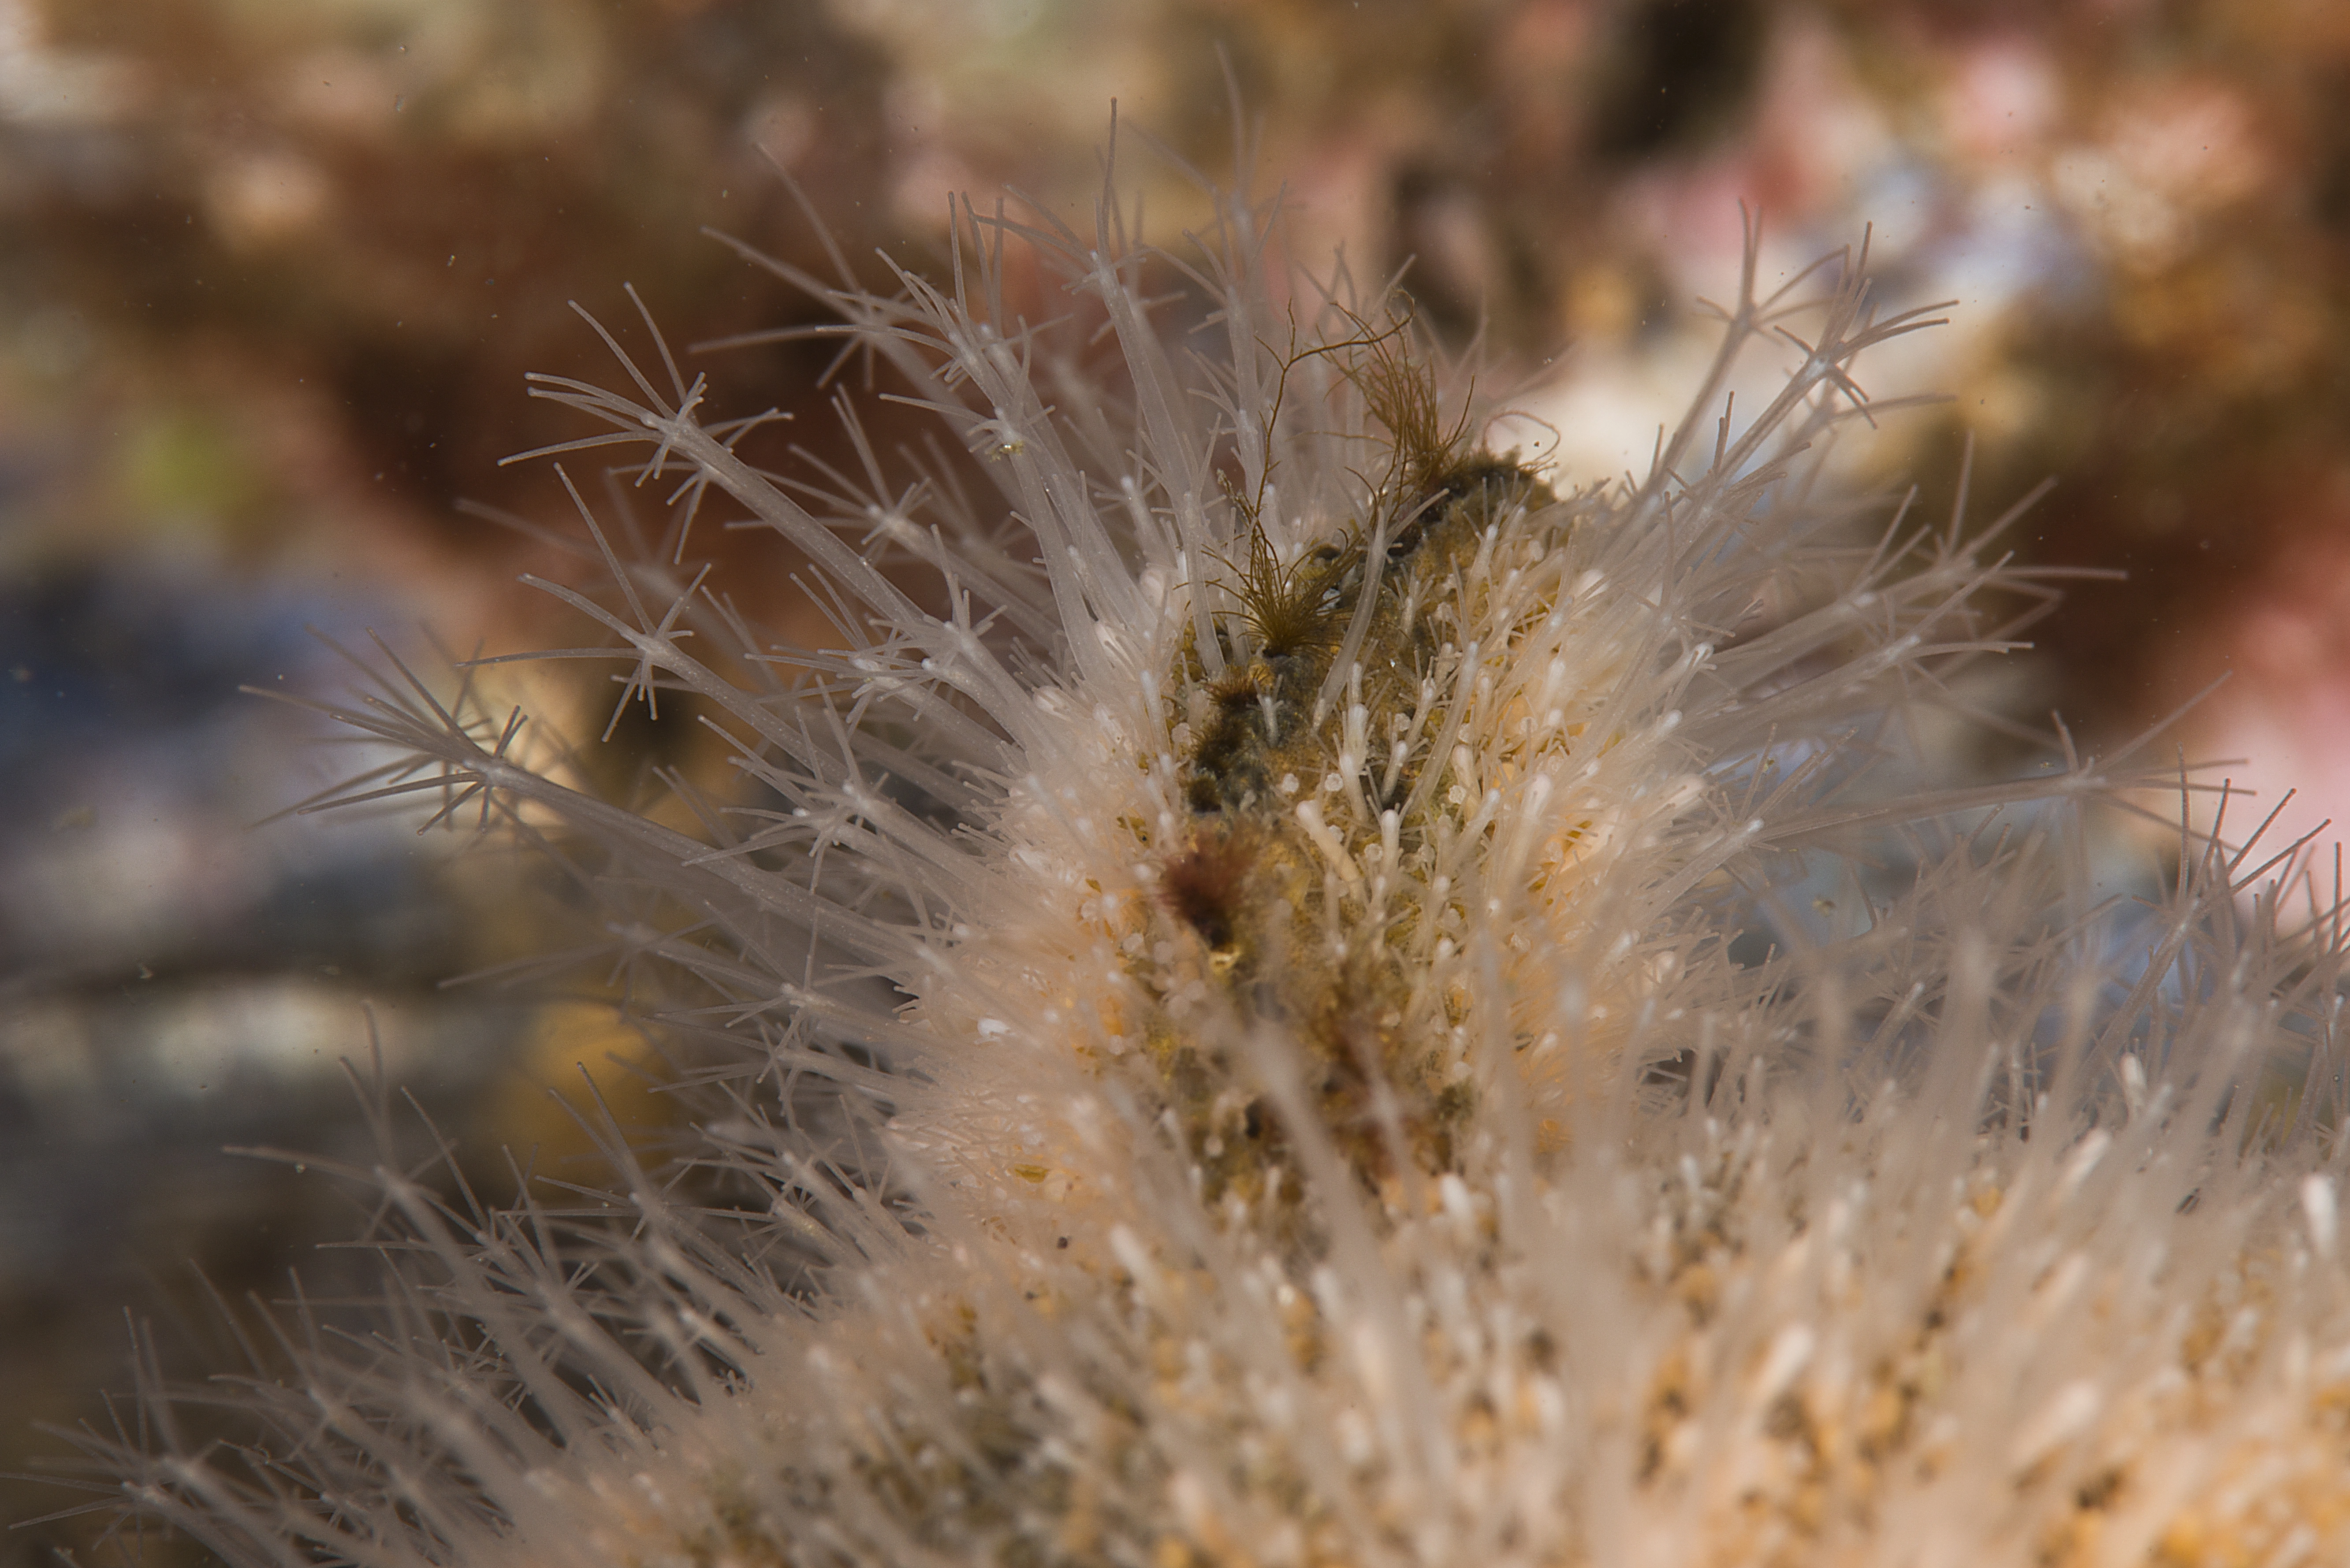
(271, 272)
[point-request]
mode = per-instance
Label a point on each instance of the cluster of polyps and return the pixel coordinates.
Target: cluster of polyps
(1248, 1054)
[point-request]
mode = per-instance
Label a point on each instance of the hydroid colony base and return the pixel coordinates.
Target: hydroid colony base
(1235, 1048)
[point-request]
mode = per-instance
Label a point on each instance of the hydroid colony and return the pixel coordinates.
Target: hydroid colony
(1275, 1005)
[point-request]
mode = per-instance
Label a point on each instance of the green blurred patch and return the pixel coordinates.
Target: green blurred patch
(186, 471)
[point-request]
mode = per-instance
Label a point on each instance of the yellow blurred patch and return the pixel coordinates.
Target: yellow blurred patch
(562, 1038)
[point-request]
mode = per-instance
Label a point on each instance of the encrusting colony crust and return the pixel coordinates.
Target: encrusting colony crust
(1344, 1001)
